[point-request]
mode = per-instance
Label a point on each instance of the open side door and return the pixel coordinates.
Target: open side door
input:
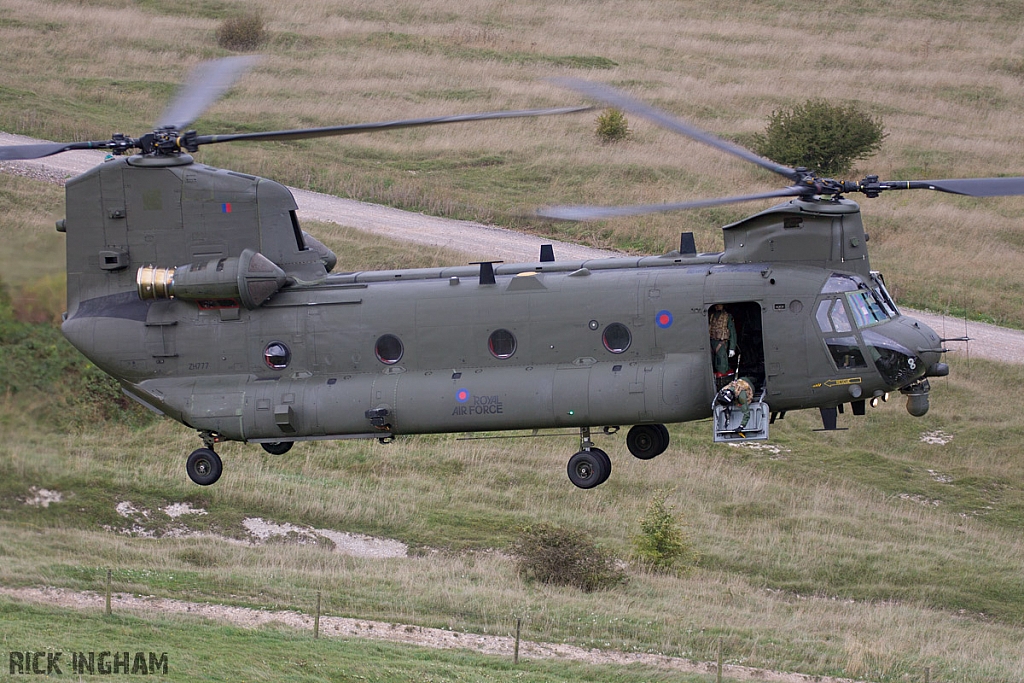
(727, 421)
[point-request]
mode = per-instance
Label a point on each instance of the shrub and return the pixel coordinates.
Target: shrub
(661, 542)
(612, 126)
(565, 557)
(823, 137)
(242, 32)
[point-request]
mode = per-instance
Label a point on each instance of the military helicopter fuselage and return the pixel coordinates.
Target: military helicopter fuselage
(197, 289)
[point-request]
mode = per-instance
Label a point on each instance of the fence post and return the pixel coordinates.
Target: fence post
(718, 678)
(515, 655)
(108, 592)
(316, 621)
(927, 674)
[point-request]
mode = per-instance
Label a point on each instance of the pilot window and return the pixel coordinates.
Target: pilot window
(846, 353)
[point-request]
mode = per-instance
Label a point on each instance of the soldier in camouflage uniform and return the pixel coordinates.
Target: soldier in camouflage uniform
(723, 340)
(739, 392)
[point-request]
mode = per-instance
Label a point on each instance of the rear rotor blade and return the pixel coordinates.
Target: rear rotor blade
(38, 151)
(303, 133)
(593, 213)
(620, 100)
(205, 85)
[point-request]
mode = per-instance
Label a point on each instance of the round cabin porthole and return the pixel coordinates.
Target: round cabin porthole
(501, 344)
(616, 338)
(277, 355)
(389, 349)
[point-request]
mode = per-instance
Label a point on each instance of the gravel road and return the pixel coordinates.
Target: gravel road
(987, 341)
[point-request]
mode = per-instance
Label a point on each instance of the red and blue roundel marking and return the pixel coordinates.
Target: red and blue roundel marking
(663, 319)
(462, 395)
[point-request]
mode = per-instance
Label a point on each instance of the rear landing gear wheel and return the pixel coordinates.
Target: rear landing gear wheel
(278, 447)
(204, 466)
(588, 469)
(647, 441)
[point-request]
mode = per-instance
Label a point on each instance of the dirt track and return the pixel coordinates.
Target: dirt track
(342, 627)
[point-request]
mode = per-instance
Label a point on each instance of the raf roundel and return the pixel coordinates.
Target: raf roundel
(462, 395)
(663, 319)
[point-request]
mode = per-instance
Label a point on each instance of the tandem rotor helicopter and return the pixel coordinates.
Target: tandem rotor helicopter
(198, 291)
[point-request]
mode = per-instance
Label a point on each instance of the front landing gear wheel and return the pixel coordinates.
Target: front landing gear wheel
(588, 469)
(647, 441)
(278, 447)
(204, 466)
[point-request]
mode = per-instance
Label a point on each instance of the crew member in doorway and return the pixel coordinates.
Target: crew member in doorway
(737, 393)
(723, 342)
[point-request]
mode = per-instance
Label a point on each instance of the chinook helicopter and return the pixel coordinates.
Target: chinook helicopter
(198, 291)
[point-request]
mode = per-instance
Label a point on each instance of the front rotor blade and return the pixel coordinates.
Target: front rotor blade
(38, 151)
(303, 133)
(972, 187)
(593, 213)
(204, 86)
(620, 100)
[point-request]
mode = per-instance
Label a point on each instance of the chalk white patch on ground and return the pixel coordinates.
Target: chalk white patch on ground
(938, 437)
(941, 478)
(128, 511)
(176, 510)
(773, 451)
(41, 498)
(345, 543)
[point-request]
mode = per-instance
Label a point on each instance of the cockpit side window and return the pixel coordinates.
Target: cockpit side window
(821, 315)
(839, 319)
(846, 353)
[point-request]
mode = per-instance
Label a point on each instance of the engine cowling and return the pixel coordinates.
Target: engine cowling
(251, 278)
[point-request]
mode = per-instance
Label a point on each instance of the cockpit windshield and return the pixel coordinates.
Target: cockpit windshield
(867, 308)
(882, 294)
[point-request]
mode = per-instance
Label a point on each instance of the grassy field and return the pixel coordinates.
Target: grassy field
(281, 655)
(871, 553)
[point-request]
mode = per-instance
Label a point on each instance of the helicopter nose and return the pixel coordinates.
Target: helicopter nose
(906, 351)
(928, 346)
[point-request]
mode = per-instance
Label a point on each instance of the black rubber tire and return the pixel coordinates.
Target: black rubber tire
(587, 469)
(204, 466)
(647, 441)
(278, 447)
(607, 464)
(664, 433)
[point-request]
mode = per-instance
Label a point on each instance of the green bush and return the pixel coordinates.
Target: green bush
(612, 126)
(565, 557)
(823, 137)
(242, 32)
(46, 374)
(661, 541)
